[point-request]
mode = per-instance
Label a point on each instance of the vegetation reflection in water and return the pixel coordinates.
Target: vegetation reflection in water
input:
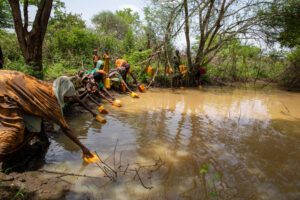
(216, 144)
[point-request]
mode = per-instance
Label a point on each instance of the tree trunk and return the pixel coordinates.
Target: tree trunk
(1, 59)
(187, 35)
(148, 40)
(34, 58)
(31, 42)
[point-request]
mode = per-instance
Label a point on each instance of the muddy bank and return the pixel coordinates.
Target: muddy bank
(20, 177)
(33, 185)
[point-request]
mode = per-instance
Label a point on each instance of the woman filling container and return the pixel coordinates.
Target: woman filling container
(25, 101)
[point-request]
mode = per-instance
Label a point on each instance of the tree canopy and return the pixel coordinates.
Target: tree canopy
(282, 21)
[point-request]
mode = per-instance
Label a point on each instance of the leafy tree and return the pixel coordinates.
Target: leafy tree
(281, 22)
(5, 15)
(108, 23)
(68, 41)
(5, 22)
(129, 41)
(132, 19)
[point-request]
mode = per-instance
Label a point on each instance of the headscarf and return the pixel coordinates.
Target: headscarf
(63, 87)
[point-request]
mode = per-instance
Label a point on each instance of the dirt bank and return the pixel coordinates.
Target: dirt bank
(33, 185)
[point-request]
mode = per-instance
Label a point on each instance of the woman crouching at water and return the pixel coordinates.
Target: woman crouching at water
(25, 101)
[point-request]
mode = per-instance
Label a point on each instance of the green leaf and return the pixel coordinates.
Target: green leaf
(204, 168)
(217, 176)
(213, 194)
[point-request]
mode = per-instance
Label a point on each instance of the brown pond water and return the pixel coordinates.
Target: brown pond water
(215, 143)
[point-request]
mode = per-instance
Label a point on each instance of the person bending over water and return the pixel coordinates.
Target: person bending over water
(94, 84)
(25, 101)
(116, 76)
(124, 69)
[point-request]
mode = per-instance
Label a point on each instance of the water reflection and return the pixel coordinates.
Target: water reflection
(217, 143)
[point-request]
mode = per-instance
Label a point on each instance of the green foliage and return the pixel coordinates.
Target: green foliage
(59, 69)
(238, 62)
(291, 77)
(137, 56)
(6, 171)
(283, 25)
(119, 32)
(128, 42)
(111, 43)
(8, 42)
(282, 22)
(130, 17)
(204, 169)
(163, 81)
(20, 194)
(5, 15)
(68, 41)
(108, 23)
(76, 41)
(69, 44)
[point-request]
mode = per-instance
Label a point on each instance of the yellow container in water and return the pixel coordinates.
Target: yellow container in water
(117, 103)
(107, 83)
(134, 95)
(142, 88)
(100, 119)
(102, 110)
(93, 159)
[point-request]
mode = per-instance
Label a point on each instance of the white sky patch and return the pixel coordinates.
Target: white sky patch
(132, 7)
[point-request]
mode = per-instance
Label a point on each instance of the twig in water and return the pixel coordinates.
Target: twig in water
(141, 181)
(106, 173)
(115, 153)
(116, 175)
(126, 168)
(285, 107)
(66, 174)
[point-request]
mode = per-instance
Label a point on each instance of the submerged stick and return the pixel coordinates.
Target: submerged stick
(115, 153)
(141, 181)
(106, 164)
(67, 174)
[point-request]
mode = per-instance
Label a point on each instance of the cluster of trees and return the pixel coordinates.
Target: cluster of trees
(282, 24)
(216, 34)
(60, 43)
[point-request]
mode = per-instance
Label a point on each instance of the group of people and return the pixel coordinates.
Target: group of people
(180, 71)
(26, 101)
(106, 78)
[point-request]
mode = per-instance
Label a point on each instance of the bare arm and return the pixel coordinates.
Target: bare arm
(104, 90)
(69, 133)
(85, 106)
(123, 82)
(104, 97)
(134, 78)
(93, 100)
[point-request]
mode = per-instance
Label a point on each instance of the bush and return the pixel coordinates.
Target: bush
(290, 79)
(59, 69)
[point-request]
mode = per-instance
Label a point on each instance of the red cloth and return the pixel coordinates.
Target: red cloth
(202, 70)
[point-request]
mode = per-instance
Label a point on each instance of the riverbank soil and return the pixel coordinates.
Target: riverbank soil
(32, 185)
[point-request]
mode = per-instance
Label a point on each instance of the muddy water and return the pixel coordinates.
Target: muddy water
(215, 144)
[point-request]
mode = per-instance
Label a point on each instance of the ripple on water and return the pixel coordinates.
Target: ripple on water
(231, 143)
